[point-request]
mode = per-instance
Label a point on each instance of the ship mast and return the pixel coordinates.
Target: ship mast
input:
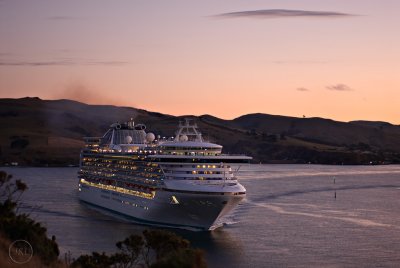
(186, 132)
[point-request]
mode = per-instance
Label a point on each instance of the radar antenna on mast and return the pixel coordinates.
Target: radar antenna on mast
(188, 132)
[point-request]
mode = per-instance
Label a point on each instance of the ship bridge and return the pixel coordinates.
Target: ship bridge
(190, 148)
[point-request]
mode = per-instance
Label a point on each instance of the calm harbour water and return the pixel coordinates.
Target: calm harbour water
(290, 218)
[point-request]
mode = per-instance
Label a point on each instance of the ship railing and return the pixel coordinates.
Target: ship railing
(92, 140)
(228, 154)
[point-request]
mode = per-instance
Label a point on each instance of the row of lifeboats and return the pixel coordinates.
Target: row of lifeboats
(139, 187)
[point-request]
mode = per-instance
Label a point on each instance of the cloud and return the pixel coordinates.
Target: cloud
(283, 13)
(62, 18)
(298, 62)
(339, 87)
(64, 62)
(64, 50)
(302, 89)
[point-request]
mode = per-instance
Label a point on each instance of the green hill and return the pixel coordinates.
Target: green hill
(49, 132)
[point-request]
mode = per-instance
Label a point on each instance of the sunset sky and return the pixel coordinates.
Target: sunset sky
(336, 59)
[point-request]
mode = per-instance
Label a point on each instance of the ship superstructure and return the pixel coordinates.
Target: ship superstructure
(182, 181)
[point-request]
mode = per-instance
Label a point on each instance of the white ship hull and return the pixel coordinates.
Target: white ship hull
(194, 210)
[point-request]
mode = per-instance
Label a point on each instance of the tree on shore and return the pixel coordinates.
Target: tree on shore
(15, 226)
(154, 249)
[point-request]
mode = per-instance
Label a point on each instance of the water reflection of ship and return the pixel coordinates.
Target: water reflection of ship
(220, 240)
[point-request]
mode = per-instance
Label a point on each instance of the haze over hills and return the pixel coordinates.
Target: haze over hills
(49, 132)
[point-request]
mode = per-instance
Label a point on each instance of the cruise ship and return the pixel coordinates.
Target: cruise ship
(181, 181)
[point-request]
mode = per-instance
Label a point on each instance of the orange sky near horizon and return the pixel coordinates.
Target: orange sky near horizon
(331, 59)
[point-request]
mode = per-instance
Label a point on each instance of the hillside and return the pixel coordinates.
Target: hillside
(49, 132)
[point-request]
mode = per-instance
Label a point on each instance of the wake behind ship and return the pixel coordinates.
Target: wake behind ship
(179, 182)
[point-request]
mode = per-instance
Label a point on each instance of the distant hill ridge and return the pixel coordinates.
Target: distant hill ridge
(49, 132)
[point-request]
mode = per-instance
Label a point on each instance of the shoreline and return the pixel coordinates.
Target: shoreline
(253, 164)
